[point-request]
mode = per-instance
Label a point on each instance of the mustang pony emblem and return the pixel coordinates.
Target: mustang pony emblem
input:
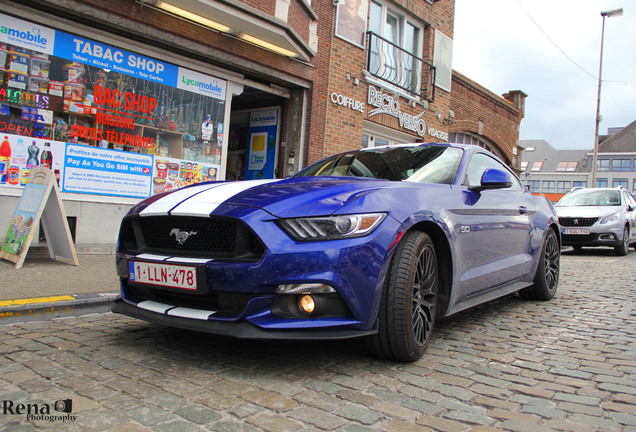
(181, 236)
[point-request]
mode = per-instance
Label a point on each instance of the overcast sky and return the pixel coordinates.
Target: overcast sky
(550, 50)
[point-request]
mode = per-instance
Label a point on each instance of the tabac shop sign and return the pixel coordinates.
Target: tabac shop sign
(387, 104)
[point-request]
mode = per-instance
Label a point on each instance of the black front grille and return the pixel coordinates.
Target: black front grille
(209, 237)
(227, 302)
(577, 222)
(578, 239)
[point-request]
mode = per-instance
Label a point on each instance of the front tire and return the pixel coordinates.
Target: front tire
(623, 248)
(409, 301)
(547, 277)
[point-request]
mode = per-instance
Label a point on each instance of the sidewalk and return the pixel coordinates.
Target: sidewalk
(45, 288)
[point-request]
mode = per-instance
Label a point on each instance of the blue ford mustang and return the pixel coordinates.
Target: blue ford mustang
(374, 243)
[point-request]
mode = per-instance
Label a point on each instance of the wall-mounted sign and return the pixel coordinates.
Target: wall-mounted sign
(438, 134)
(346, 101)
(386, 104)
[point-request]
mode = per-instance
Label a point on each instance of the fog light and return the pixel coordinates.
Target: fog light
(307, 304)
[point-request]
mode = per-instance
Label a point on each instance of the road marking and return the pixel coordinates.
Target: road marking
(35, 300)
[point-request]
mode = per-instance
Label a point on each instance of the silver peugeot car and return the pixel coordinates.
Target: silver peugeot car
(598, 217)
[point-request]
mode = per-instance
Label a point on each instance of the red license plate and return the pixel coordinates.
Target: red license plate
(168, 275)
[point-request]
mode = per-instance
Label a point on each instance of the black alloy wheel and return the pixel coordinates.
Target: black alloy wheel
(546, 279)
(409, 301)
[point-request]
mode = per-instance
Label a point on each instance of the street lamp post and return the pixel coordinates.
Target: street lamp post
(608, 13)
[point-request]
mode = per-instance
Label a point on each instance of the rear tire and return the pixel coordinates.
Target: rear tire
(623, 248)
(408, 305)
(546, 279)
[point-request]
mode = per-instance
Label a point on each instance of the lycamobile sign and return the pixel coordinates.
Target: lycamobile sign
(199, 83)
(26, 35)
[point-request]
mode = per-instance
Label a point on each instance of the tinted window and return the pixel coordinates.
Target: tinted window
(425, 164)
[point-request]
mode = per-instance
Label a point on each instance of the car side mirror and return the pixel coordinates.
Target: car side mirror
(493, 178)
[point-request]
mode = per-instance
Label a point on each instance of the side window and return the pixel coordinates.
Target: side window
(479, 163)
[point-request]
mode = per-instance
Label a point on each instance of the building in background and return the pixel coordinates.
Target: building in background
(551, 172)
(127, 98)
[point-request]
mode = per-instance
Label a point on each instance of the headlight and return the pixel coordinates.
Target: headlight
(331, 227)
(611, 218)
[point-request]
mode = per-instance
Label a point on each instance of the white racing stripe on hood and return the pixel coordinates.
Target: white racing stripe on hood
(162, 206)
(206, 202)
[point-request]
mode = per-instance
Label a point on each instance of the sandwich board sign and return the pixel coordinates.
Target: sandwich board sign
(40, 204)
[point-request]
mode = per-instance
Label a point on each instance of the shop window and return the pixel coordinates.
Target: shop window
(579, 184)
(167, 121)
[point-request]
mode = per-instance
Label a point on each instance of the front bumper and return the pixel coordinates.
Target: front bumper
(238, 298)
(237, 329)
(608, 237)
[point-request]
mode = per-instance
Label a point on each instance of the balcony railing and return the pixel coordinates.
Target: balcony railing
(400, 68)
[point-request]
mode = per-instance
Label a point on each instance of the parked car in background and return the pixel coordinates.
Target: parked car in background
(598, 217)
(375, 243)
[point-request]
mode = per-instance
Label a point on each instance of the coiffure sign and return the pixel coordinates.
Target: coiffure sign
(346, 101)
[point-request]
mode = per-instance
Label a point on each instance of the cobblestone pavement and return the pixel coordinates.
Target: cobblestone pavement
(568, 364)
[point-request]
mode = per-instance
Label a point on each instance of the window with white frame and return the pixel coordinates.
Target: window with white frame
(601, 182)
(547, 186)
(567, 166)
(563, 186)
(534, 186)
(395, 54)
(621, 165)
(603, 164)
(620, 182)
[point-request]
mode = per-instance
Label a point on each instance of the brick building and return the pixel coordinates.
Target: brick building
(182, 91)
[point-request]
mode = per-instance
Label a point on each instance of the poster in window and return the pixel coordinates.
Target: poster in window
(351, 21)
(443, 60)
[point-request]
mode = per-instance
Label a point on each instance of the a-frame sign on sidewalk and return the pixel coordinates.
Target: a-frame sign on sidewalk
(40, 203)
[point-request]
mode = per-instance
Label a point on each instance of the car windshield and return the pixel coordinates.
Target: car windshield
(424, 164)
(591, 198)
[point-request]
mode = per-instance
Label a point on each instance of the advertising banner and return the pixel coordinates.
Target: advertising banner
(107, 172)
(263, 137)
(20, 155)
(170, 173)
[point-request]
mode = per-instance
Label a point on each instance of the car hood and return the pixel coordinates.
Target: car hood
(587, 211)
(303, 196)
